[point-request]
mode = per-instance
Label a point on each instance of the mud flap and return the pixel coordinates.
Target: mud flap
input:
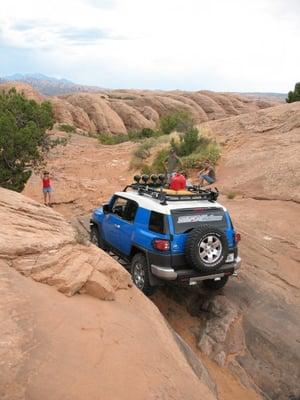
(153, 280)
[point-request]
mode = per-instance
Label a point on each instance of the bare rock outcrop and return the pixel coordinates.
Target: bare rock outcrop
(133, 119)
(77, 347)
(25, 88)
(149, 113)
(260, 152)
(214, 337)
(119, 111)
(42, 245)
(73, 115)
(86, 173)
(99, 111)
(251, 327)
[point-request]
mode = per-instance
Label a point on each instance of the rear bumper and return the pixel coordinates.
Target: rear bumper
(191, 276)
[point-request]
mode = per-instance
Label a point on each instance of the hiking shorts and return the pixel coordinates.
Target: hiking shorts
(47, 190)
(208, 178)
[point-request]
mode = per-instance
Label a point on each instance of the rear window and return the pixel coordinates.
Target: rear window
(186, 220)
(157, 222)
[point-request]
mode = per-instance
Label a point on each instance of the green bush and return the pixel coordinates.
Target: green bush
(294, 95)
(140, 154)
(67, 128)
(143, 151)
(192, 149)
(108, 139)
(145, 133)
(145, 169)
(136, 163)
(209, 152)
(142, 134)
(158, 162)
(179, 120)
(231, 195)
(189, 141)
(23, 138)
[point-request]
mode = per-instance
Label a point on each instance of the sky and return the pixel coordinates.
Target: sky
(221, 45)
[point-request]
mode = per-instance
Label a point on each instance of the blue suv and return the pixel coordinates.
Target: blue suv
(180, 237)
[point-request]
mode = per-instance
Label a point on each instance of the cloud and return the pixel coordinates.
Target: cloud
(101, 3)
(24, 25)
(188, 44)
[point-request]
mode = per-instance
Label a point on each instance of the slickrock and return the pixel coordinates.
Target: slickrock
(215, 335)
(86, 173)
(120, 111)
(133, 119)
(25, 88)
(260, 153)
(102, 116)
(78, 347)
(39, 243)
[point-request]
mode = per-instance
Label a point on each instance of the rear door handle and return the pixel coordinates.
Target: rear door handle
(117, 226)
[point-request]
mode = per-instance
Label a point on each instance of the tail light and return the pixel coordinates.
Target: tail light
(161, 244)
(237, 237)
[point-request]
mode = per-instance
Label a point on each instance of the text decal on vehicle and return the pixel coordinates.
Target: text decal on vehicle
(184, 219)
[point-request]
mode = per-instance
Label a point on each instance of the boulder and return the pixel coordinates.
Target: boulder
(43, 245)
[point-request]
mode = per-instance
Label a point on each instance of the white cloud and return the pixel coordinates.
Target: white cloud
(192, 44)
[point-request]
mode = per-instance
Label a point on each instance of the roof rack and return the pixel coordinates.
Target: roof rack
(157, 190)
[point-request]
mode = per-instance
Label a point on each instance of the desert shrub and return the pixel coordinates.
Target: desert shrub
(142, 134)
(115, 97)
(141, 153)
(189, 142)
(23, 137)
(158, 162)
(108, 139)
(192, 148)
(143, 150)
(209, 152)
(294, 95)
(231, 195)
(179, 120)
(67, 128)
(136, 163)
(145, 169)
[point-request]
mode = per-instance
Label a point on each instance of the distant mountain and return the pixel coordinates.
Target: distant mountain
(266, 95)
(48, 85)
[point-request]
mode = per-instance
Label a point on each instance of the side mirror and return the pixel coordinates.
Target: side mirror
(106, 208)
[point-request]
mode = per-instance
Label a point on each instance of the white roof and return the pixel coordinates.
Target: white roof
(149, 203)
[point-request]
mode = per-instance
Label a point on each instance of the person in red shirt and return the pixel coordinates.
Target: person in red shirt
(47, 189)
(178, 182)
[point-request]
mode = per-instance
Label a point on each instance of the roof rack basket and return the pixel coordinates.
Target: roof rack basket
(157, 190)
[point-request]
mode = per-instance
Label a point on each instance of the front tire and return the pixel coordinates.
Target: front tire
(211, 284)
(140, 274)
(96, 238)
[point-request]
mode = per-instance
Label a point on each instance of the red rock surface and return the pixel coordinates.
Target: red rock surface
(25, 88)
(260, 153)
(120, 111)
(58, 347)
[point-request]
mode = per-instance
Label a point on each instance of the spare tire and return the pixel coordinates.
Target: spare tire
(206, 248)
